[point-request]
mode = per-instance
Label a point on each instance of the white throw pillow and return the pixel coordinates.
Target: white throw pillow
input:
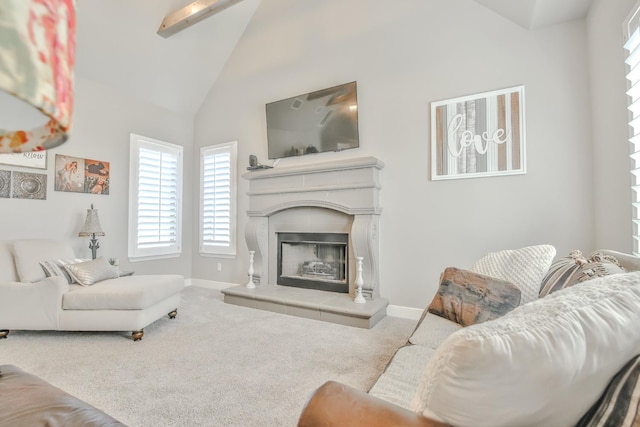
(542, 364)
(525, 268)
(89, 272)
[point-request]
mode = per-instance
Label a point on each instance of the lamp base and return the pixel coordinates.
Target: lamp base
(94, 245)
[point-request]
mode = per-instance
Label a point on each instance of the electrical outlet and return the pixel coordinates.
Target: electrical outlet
(219, 266)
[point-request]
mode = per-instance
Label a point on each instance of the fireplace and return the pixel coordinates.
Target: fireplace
(314, 261)
(337, 197)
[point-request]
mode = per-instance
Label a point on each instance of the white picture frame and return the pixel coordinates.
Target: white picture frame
(30, 159)
(478, 135)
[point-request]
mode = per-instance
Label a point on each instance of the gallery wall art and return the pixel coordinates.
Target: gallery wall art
(32, 159)
(27, 185)
(78, 175)
(5, 184)
(478, 135)
(23, 185)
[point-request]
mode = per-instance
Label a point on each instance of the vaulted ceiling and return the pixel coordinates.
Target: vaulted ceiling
(118, 45)
(532, 14)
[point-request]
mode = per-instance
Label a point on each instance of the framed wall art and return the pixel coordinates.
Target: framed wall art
(74, 174)
(478, 135)
(27, 185)
(5, 184)
(32, 159)
(69, 174)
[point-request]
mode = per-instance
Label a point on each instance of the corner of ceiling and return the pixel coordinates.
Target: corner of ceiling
(534, 14)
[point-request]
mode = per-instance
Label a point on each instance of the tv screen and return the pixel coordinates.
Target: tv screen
(324, 120)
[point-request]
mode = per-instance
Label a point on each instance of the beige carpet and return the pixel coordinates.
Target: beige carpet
(216, 364)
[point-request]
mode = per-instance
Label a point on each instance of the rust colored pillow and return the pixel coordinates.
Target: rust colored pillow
(468, 298)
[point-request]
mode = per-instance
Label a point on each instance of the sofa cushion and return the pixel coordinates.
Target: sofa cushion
(433, 330)
(575, 268)
(7, 265)
(525, 268)
(545, 362)
(29, 252)
(124, 293)
(467, 298)
(399, 382)
(620, 403)
(88, 273)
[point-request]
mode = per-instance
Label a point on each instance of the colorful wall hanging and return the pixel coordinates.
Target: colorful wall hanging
(79, 175)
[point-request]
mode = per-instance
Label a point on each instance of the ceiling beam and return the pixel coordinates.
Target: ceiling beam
(192, 14)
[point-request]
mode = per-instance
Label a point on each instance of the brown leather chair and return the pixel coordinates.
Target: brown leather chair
(335, 404)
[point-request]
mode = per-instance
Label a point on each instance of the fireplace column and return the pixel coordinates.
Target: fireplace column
(256, 233)
(364, 240)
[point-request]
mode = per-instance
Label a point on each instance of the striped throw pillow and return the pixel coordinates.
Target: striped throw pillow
(89, 272)
(55, 267)
(575, 268)
(618, 406)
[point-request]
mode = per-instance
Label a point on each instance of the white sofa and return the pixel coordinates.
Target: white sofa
(31, 301)
(545, 363)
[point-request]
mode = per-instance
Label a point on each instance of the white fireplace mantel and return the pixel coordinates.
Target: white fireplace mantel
(349, 186)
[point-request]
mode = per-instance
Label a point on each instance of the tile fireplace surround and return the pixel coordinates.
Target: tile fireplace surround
(331, 197)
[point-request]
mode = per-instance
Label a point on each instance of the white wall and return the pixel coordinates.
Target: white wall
(102, 121)
(611, 177)
(404, 57)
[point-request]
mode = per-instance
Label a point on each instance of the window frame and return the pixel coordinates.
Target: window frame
(631, 32)
(220, 251)
(135, 253)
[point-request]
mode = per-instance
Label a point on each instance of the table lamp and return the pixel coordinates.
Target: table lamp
(92, 228)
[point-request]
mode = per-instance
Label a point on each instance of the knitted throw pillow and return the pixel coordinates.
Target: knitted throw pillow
(525, 268)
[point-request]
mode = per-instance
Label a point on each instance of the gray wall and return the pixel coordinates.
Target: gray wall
(102, 121)
(403, 58)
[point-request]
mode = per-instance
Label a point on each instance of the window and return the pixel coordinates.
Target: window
(632, 47)
(218, 199)
(155, 199)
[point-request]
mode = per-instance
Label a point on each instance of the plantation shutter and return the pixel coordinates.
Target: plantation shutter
(217, 199)
(157, 176)
(157, 199)
(632, 47)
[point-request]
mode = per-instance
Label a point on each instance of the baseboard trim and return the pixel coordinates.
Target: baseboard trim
(209, 284)
(404, 312)
(392, 310)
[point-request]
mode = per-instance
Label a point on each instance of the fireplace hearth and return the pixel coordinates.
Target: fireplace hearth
(314, 261)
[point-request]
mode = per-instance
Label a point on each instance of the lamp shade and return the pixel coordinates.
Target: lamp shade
(91, 224)
(37, 55)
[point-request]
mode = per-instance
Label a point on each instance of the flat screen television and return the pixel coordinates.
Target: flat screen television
(316, 122)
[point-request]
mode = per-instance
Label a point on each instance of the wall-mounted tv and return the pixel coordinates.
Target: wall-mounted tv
(316, 122)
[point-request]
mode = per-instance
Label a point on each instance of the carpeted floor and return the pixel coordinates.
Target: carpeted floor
(216, 364)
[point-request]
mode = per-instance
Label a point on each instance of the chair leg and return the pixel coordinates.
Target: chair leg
(173, 314)
(4, 333)
(137, 335)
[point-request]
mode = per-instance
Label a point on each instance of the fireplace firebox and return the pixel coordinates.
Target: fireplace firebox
(314, 261)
